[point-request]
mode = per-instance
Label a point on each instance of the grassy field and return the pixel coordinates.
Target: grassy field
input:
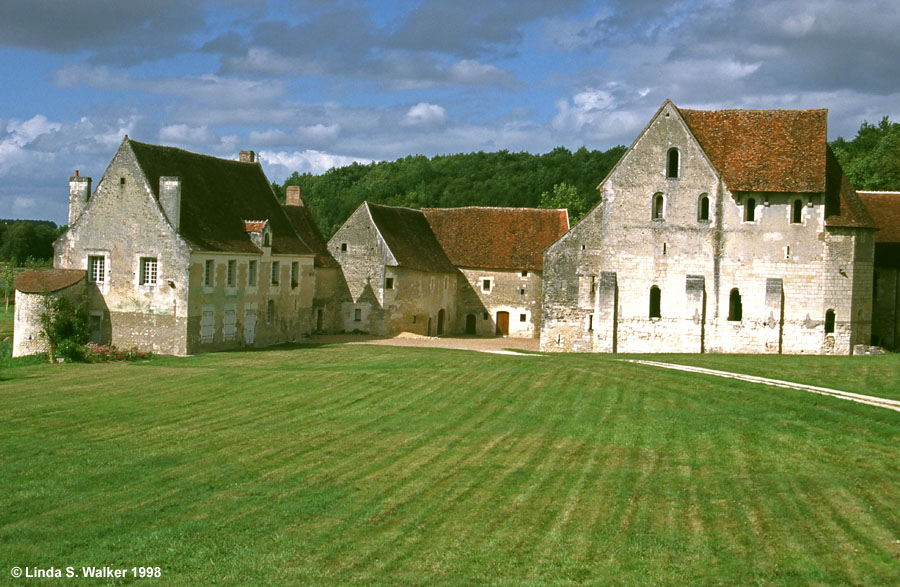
(342, 464)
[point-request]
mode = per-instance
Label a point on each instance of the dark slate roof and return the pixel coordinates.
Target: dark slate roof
(497, 238)
(217, 195)
(410, 239)
(885, 208)
(305, 226)
(778, 151)
(764, 150)
(48, 280)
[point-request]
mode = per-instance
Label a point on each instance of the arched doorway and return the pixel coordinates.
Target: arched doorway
(470, 324)
(503, 323)
(440, 324)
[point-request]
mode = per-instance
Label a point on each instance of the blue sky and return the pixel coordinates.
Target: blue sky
(310, 84)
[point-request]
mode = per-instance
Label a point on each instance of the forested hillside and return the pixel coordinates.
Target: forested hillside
(872, 159)
(468, 179)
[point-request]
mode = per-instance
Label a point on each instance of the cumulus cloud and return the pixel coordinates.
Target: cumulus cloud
(183, 134)
(283, 163)
(424, 114)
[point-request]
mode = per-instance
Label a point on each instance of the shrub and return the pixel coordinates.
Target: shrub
(96, 353)
(65, 324)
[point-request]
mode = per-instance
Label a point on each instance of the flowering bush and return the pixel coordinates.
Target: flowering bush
(96, 353)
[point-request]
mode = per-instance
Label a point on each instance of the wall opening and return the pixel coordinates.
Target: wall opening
(797, 212)
(829, 322)
(703, 208)
(655, 298)
(735, 308)
(658, 205)
(672, 163)
(750, 210)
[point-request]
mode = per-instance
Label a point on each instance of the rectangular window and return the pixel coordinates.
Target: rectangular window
(343, 247)
(388, 283)
(270, 311)
(232, 273)
(295, 274)
(97, 268)
(525, 274)
(485, 285)
(207, 324)
(251, 273)
(229, 326)
(357, 315)
(522, 318)
(148, 271)
(521, 291)
(209, 269)
(276, 268)
(446, 283)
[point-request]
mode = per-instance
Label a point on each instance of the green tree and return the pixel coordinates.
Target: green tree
(65, 325)
(872, 159)
(566, 196)
(8, 276)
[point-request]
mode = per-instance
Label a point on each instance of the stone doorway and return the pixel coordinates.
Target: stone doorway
(440, 324)
(470, 324)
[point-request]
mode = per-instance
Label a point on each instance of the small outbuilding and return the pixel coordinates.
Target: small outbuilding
(32, 290)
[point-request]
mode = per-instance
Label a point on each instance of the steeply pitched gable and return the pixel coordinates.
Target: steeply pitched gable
(409, 237)
(217, 196)
(497, 238)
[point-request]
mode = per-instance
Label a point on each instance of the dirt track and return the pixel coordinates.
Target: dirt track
(470, 343)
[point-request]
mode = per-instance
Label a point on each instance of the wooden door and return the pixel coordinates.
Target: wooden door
(503, 323)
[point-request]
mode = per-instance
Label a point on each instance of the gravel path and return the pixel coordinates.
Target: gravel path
(496, 345)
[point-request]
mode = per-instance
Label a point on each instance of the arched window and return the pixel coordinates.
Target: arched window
(654, 302)
(750, 210)
(658, 204)
(672, 163)
(703, 208)
(829, 322)
(797, 212)
(267, 240)
(735, 310)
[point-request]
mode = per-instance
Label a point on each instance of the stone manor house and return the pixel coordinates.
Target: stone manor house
(717, 231)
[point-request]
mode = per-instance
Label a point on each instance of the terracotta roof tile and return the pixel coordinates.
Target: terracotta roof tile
(764, 150)
(48, 280)
(497, 238)
(254, 226)
(216, 196)
(409, 237)
(885, 208)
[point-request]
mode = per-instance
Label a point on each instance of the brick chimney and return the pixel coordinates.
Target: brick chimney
(170, 199)
(248, 157)
(293, 196)
(79, 194)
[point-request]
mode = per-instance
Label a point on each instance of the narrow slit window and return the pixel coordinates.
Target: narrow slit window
(750, 210)
(829, 322)
(735, 308)
(672, 163)
(797, 212)
(658, 204)
(703, 208)
(655, 299)
(295, 274)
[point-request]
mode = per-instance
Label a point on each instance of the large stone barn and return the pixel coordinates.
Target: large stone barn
(186, 253)
(499, 252)
(885, 209)
(718, 231)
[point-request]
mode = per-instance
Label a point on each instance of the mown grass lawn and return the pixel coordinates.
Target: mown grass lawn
(371, 464)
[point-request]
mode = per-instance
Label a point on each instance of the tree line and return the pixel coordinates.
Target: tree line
(27, 241)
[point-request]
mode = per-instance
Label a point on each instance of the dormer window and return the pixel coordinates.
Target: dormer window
(673, 161)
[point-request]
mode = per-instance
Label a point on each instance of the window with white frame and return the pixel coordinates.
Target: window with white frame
(486, 284)
(209, 272)
(207, 324)
(251, 273)
(229, 325)
(276, 269)
(97, 268)
(148, 271)
(232, 273)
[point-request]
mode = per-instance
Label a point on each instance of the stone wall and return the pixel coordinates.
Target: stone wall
(886, 304)
(27, 336)
(508, 291)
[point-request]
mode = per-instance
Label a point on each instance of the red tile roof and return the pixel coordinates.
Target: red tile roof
(48, 280)
(497, 238)
(764, 150)
(255, 226)
(885, 208)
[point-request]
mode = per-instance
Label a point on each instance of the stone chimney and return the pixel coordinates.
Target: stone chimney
(79, 194)
(248, 157)
(170, 199)
(293, 196)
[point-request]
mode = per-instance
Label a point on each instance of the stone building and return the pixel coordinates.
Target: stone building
(33, 287)
(885, 209)
(187, 253)
(330, 288)
(499, 252)
(717, 231)
(398, 276)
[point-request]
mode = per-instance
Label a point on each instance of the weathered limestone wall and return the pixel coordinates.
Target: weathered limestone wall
(331, 292)
(598, 277)
(27, 336)
(123, 222)
(240, 313)
(509, 291)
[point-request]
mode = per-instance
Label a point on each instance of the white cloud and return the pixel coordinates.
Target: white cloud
(187, 135)
(471, 73)
(310, 160)
(425, 114)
